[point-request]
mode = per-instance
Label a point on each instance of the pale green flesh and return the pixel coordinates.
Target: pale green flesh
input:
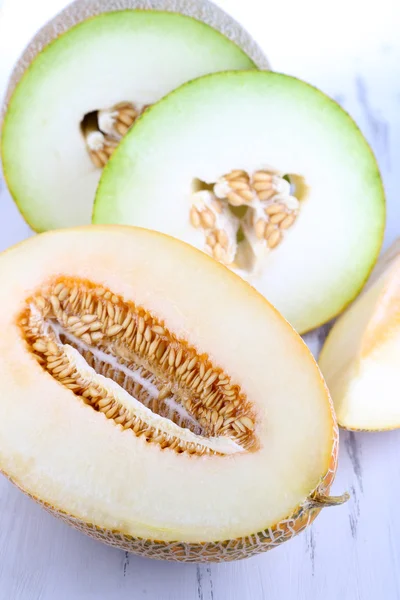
(249, 121)
(131, 55)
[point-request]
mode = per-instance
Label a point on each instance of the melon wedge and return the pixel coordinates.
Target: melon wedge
(83, 81)
(154, 400)
(266, 174)
(361, 356)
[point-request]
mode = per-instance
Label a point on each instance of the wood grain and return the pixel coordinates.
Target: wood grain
(352, 52)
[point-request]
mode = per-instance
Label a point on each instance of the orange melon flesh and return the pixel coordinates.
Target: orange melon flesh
(114, 484)
(360, 358)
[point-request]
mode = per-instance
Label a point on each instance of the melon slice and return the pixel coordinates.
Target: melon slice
(361, 356)
(84, 80)
(155, 400)
(266, 174)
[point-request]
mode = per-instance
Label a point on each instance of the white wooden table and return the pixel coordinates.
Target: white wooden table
(351, 50)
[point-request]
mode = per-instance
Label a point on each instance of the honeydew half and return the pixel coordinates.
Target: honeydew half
(266, 174)
(361, 356)
(173, 415)
(83, 81)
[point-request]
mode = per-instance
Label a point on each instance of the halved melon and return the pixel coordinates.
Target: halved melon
(156, 401)
(83, 81)
(266, 174)
(361, 356)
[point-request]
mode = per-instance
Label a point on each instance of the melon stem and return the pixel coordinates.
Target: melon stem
(322, 501)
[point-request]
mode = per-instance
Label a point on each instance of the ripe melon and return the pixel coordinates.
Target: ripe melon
(154, 400)
(83, 81)
(361, 356)
(266, 174)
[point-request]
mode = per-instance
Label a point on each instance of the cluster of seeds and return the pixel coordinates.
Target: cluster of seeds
(128, 345)
(219, 225)
(269, 211)
(104, 129)
(235, 187)
(272, 224)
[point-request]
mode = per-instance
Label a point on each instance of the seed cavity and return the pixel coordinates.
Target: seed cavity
(244, 216)
(124, 363)
(103, 130)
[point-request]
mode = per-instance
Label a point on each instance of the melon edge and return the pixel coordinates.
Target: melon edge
(78, 11)
(206, 552)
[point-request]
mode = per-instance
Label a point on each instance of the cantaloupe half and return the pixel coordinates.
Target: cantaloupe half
(361, 356)
(266, 174)
(85, 78)
(154, 400)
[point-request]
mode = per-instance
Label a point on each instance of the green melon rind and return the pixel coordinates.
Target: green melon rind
(210, 21)
(49, 57)
(123, 161)
(80, 10)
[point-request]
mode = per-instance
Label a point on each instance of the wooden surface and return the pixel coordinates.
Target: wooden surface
(351, 50)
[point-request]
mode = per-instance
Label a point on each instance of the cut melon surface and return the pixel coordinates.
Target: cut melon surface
(266, 174)
(361, 356)
(83, 81)
(155, 400)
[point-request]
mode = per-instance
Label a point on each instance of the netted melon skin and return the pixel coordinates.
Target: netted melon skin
(221, 551)
(205, 552)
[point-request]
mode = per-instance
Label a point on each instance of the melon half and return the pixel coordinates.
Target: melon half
(83, 81)
(154, 400)
(361, 356)
(266, 174)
